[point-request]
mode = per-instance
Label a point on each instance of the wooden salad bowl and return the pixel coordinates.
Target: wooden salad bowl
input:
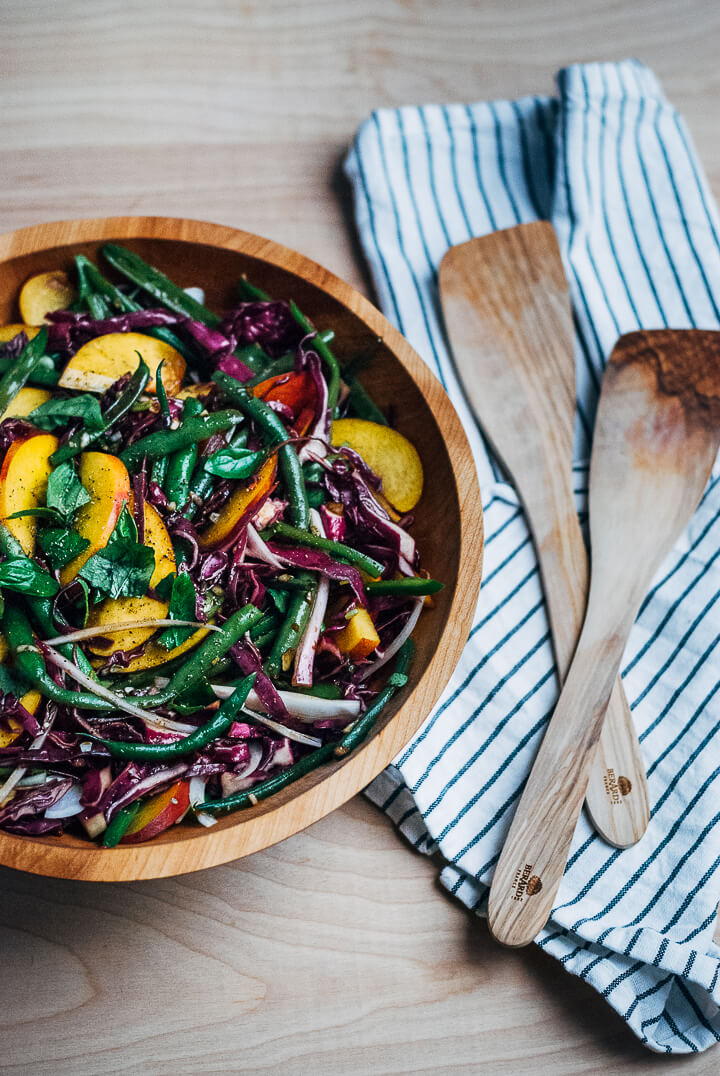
(448, 527)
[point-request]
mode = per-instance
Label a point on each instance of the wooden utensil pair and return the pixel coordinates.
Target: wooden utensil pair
(657, 433)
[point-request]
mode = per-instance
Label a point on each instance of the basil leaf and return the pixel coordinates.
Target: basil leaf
(48, 515)
(230, 462)
(26, 577)
(65, 491)
(164, 587)
(183, 606)
(125, 528)
(57, 413)
(10, 685)
(61, 545)
(122, 569)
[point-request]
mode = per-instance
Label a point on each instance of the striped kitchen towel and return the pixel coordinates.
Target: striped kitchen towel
(611, 164)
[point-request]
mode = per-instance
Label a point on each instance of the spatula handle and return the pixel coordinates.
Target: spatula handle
(617, 795)
(535, 853)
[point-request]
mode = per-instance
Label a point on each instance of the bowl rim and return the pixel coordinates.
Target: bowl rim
(189, 851)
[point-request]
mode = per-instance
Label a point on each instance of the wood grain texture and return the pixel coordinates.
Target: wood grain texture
(656, 437)
(356, 962)
(507, 313)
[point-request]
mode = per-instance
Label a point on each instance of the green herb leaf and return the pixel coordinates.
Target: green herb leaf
(121, 569)
(57, 413)
(10, 685)
(164, 587)
(124, 567)
(65, 491)
(61, 545)
(236, 463)
(183, 604)
(48, 515)
(125, 528)
(26, 577)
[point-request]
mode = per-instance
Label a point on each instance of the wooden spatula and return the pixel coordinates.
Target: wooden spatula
(657, 434)
(507, 311)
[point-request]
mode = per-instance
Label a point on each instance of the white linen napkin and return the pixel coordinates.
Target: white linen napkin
(611, 164)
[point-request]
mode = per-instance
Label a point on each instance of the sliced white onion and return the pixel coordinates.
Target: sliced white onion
(195, 293)
(305, 653)
(166, 724)
(68, 805)
(196, 792)
(292, 734)
(108, 629)
(397, 642)
(309, 708)
(19, 772)
(92, 685)
(259, 549)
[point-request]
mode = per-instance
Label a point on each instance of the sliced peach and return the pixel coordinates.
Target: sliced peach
(158, 813)
(193, 390)
(100, 362)
(9, 332)
(126, 610)
(358, 638)
(240, 503)
(30, 700)
(107, 482)
(25, 401)
(389, 454)
(43, 293)
(23, 484)
(155, 655)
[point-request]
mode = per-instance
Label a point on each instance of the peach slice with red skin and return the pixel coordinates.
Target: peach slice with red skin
(23, 484)
(158, 813)
(240, 503)
(106, 480)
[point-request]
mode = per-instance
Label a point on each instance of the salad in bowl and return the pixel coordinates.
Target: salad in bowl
(208, 575)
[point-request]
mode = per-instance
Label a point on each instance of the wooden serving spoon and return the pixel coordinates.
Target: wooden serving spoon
(657, 434)
(507, 311)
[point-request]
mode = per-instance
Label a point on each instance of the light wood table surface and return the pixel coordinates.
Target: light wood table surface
(335, 952)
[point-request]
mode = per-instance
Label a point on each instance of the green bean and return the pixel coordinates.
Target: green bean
(273, 784)
(83, 438)
(31, 666)
(251, 293)
(196, 741)
(198, 428)
(338, 549)
(271, 425)
(124, 304)
(293, 626)
(182, 462)
(120, 824)
(18, 373)
(203, 481)
(362, 726)
(348, 743)
(412, 587)
(206, 658)
(155, 283)
(44, 373)
(363, 404)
